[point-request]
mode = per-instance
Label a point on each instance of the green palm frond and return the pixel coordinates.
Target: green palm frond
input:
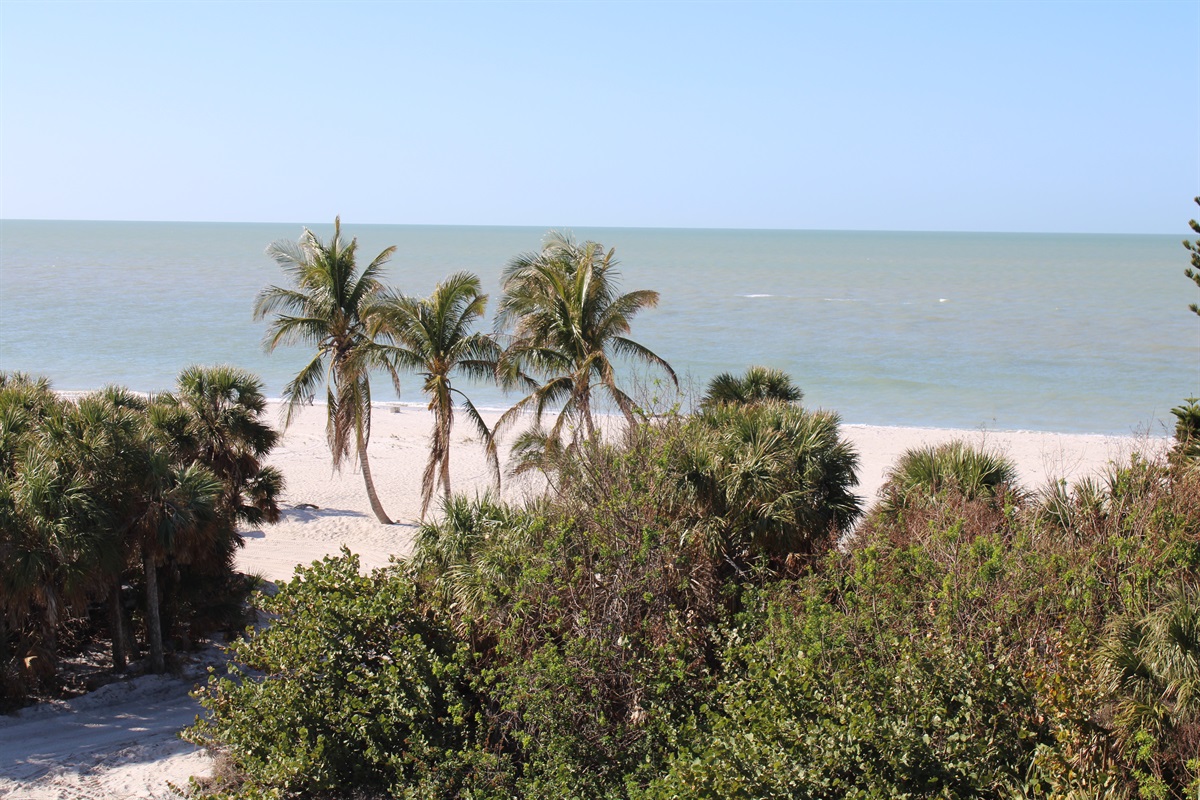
(758, 385)
(433, 337)
(326, 308)
(923, 473)
(565, 319)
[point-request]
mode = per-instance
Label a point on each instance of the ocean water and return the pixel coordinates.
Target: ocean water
(1058, 332)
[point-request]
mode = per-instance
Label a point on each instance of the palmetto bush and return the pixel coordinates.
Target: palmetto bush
(770, 479)
(922, 474)
(757, 385)
(471, 558)
(1149, 664)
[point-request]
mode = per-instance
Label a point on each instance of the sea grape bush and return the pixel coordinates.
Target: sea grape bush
(351, 685)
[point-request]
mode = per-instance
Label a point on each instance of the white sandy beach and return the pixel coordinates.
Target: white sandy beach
(120, 742)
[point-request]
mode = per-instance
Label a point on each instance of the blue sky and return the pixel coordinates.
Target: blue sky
(883, 116)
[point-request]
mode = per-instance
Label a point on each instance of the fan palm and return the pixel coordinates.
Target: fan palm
(156, 506)
(1150, 665)
(773, 478)
(215, 417)
(758, 385)
(567, 320)
(432, 336)
(921, 473)
(323, 308)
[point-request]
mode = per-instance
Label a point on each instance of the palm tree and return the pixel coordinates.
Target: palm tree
(758, 385)
(769, 478)
(172, 505)
(433, 336)
(323, 308)
(568, 319)
(215, 417)
(156, 506)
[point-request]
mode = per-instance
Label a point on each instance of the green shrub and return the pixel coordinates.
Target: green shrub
(759, 385)
(350, 687)
(1149, 664)
(596, 644)
(924, 473)
(827, 704)
(768, 480)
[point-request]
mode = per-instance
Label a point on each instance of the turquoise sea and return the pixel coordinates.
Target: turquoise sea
(1059, 332)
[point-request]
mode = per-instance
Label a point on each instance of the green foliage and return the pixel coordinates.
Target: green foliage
(1193, 247)
(769, 479)
(568, 320)
(662, 624)
(1150, 666)
(1186, 451)
(215, 417)
(921, 474)
(349, 688)
(829, 702)
(471, 559)
(758, 385)
(108, 490)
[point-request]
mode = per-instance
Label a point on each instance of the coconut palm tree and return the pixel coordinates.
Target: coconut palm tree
(758, 385)
(567, 319)
(323, 308)
(432, 336)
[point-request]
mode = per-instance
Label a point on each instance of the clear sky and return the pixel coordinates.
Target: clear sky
(1012, 116)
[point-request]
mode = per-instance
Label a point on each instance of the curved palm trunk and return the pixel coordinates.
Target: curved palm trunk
(153, 620)
(445, 423)
(376, 506)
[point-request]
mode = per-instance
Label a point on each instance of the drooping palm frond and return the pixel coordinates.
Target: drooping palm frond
(566, 319)
(433, 337)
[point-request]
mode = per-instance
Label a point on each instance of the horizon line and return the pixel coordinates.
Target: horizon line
(597, 226)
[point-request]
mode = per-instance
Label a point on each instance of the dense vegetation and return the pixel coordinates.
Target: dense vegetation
(118, 519)
(674, 620)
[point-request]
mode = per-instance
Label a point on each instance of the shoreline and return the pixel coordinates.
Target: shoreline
(1140, 430)
(398, 451)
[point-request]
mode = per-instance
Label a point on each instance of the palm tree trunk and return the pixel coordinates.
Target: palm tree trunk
(376, 506)
(446, 423)
(153, 621)
(585, 404)
(119, 655)
(446, 474)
